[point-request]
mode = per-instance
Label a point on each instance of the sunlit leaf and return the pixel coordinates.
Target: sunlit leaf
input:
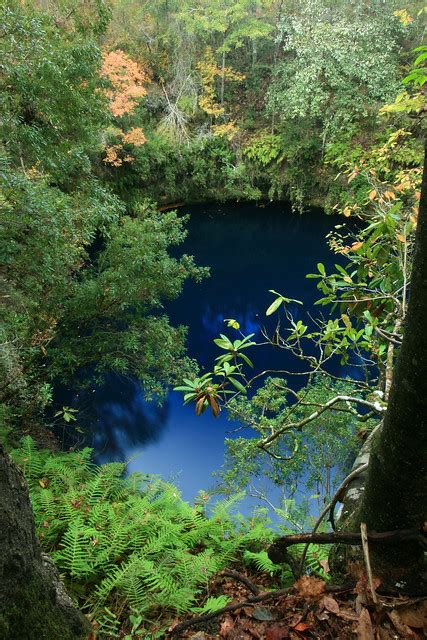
(274, 306)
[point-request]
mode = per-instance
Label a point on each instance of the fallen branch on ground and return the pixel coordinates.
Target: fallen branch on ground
(230, 573)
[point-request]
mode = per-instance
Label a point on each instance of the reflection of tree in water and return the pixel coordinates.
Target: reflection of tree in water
(114, 417)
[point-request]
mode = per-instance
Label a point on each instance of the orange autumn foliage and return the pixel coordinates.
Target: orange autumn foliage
(113, 156)
(127, 82)
(134, 136)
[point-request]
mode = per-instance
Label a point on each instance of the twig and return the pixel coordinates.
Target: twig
(230, 573)
(365, 547)
(381, 333)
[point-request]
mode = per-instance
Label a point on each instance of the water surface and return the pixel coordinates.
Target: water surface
(249, 249)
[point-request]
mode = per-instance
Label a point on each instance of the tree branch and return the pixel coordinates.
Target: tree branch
(375, 406)
(278, 548)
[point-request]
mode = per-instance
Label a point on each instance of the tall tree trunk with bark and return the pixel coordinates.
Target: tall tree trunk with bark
(395, 495)
(33, 602)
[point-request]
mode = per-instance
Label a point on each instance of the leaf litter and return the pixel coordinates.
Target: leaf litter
(310, 610)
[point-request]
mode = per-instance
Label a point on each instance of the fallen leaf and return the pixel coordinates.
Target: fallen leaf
(261, 613)
(277, 632)
(348, 615)
(330, 604)
(415, 615)
(402, 628)
(301, 627)
(364, 628)
(372, 194)
(310, 587)
(325, 565)
(359, 602)
(226, 627)
(322, 616)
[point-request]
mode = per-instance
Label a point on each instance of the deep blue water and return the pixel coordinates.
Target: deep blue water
(250, 250)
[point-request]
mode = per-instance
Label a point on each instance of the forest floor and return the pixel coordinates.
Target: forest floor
(311, 609)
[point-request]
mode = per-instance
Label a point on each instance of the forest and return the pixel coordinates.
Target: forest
(163, 165)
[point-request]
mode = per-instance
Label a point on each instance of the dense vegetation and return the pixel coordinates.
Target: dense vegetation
(133, 544)
(112, 112)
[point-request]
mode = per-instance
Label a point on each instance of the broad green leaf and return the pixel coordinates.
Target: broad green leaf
(237, 385)
(274, 306)
(321, 269)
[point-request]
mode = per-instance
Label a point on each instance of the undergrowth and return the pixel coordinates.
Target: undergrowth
(132, 553)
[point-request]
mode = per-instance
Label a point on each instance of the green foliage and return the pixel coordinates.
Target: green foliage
(117, 304)
(204, 391)
(51, 104)
(418, 74)
(301, 460)
(263, 149)
(129, 543)
(353, 68)
(84, 278)
(212, 604)
(261, 561)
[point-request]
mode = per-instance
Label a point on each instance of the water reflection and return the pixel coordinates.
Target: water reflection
(115, 417)
(250, 250)
(212, 320)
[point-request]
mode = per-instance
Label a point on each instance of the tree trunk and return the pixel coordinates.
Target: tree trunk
(33, 602)
(395, 496)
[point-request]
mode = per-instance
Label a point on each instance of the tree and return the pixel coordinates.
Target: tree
(63, 229)
(33, 601)
(395, 494)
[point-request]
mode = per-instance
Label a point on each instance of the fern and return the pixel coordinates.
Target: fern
(212, 604)
(261, 561)
(73, 556)
(316, 555)
(108, 624)
(30, 459)
(130, 543)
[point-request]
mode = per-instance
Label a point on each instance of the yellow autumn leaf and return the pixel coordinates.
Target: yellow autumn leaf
(404, 16)
(372, 194)
(389, 195)
(346, 320)
(347, 279)
(400, 237)
(347, 212)
(356, 245)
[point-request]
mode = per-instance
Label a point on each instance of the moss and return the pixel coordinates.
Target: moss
(36, 616)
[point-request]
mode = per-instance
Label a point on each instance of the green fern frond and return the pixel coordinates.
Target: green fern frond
(261, 561)
(212, 604)
(73, 555)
